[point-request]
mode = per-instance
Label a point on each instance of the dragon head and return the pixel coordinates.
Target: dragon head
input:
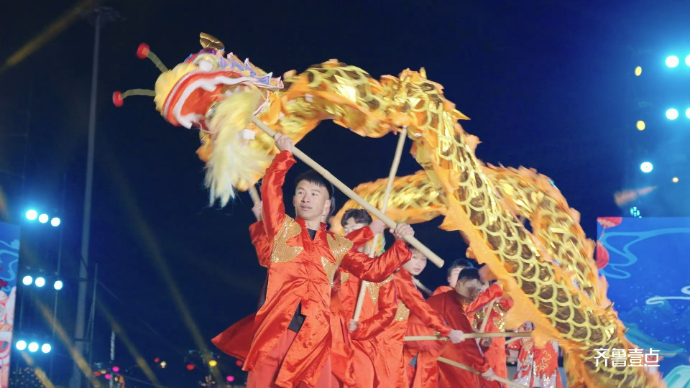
(188, 94)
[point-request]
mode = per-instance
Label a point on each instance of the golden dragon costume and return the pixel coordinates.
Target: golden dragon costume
(549, 273)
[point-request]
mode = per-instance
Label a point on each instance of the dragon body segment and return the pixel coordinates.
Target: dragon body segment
(549, 272)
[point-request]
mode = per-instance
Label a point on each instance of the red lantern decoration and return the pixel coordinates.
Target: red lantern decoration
(609, 222)
(157, 360)
(190, 366)
(97, 373)
(602, 256)
(239, 363)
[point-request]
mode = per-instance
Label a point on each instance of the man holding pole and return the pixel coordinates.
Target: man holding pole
(300, 274)
(450, 305)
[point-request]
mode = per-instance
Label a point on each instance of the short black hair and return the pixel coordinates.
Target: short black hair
(314, 177)
(465, 263)
(360, 216)
(469, 274)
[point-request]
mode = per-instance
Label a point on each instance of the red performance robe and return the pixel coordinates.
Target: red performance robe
(411, 307)
(379, 307)
(237, 339)
(496, 352)
(430, 373)
(300, 275)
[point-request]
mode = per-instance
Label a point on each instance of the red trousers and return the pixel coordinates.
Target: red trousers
(265, 372)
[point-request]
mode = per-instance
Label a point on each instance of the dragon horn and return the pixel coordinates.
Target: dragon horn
(144, 52)
(422, 72)
(119, 97)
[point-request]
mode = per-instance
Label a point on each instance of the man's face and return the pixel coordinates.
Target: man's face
(453, 277)
(416, 264)
(469, 288)
(311, 201)
(350, 225)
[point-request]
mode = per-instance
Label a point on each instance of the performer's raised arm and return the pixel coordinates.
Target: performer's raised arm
(418, 306)
(378, 269)
(273, 212)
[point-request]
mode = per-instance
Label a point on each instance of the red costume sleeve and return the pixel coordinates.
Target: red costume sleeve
(261, 243)
(360, 237)
(376, 269)
(470, 351)
(273, 209)
(494, 291)
(418, 306)
(387, 306)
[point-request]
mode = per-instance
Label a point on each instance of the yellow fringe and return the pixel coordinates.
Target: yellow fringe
(232, 161)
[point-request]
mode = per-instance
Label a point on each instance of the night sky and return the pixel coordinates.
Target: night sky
(546, 86)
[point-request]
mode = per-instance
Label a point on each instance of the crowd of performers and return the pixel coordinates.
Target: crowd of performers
(304, 334)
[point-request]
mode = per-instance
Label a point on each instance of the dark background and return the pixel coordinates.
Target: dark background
(548, 85)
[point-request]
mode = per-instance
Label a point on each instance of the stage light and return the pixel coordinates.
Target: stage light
(163, 364)
(687, 60)
(156, 360)
(43, 218)
(687, 113)
(46, 348)
(103, 371)
(641, 125)
(671, 114)
(672, 61)
(239, 363)
(21, 345)
(40, 282)
(646, 167)
(55, 222)
(31, 215)
(675, 179)
(107, 376)
(33, 347)
(97, 373)
(230, 379)
(58, 285)
(638, 71)
(190, 366)
(116, 369)
(27, 280)
(212, 363)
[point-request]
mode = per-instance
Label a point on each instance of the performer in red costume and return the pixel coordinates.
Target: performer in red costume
(379, 306)
(293, 338)
(237, 339)
(537, 367)
(410, 302)
(494, 349)
(429, 373)
(453, 272)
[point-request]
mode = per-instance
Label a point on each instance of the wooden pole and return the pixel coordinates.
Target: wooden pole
(467, 368)
(353, 196)
(255, 196)
(467, 335)
(372, 246)
(486, 317)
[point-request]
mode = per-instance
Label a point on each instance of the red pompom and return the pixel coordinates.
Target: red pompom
(118, 101)
(143, 51)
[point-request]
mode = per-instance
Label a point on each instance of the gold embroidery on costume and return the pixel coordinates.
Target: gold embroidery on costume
(374, 288)
(282, 253)
(499, 321)
(344, 276)
(339, 246)
(403, 312)
(329, 268)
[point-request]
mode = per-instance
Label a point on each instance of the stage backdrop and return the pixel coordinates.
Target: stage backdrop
(646, 262)
(9, 258)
